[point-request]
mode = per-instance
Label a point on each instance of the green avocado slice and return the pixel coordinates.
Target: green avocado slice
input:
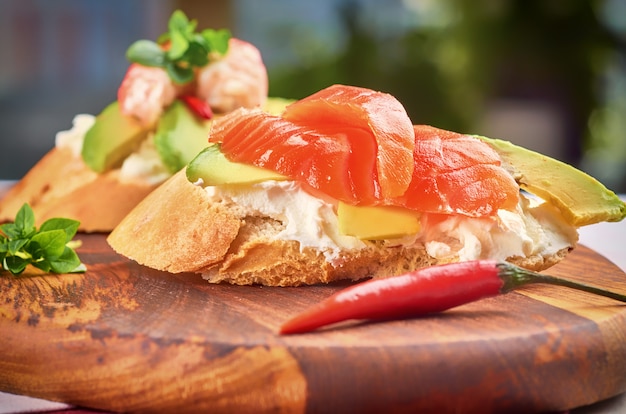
(213, 168)
(180, 136)
(581, 199)
(112, 138)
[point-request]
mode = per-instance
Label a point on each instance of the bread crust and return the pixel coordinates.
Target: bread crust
(61, 185)
(269, 261)
(177, 229)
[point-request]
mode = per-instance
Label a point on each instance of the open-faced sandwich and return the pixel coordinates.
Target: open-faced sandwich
(173, 90)
(342, 185)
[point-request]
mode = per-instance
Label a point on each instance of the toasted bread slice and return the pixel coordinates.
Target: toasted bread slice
(177, 229)
(61, 185)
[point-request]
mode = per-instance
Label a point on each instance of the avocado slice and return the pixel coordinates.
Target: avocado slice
(213, 168)
(581, 199)
(377, 222)
(112, 138)
(180, 136)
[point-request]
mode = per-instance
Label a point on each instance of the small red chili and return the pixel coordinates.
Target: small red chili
(424, 291)
(198, 106)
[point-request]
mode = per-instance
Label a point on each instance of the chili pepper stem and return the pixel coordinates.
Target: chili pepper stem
(515, 277)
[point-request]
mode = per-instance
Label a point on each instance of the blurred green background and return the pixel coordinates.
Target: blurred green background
(549, 75)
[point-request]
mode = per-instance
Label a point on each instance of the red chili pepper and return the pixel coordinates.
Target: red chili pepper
(198, 106)
(424, 291)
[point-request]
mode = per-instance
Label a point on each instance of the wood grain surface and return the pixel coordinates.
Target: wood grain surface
(122, 337)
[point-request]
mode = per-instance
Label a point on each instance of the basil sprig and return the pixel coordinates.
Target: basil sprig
(186, 49)
(49, 248)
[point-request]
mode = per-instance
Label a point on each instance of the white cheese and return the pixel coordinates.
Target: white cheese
(74, 137)
(144, 164)
(531, 229)
(307, 219)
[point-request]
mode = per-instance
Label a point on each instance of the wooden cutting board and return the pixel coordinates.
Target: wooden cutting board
(126, 338)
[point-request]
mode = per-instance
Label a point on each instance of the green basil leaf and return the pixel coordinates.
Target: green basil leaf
(14, 264)
(217, 40)
(147, 53)
(49, 249)
(69, 226)
(179, 75)
(10, 230)
(68, 262)
(15, 246)
(178, 46)
(52, 242)
(43, 264)
(178, 22)
(196, 55)
(25, 221)
(186, 49)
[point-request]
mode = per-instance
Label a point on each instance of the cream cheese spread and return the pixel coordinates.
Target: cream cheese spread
(530, 230)
(534, 228)
(74, 137)
(145, 164)
(307, 219)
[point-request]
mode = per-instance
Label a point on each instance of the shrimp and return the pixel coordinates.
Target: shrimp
(238, 79)
(145, 92)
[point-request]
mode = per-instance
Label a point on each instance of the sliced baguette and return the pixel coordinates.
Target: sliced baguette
(61, 185)
(177, 229)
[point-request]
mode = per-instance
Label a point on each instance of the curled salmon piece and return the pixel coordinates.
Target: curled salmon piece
(351, 143)
(379, 114)
(238, 79)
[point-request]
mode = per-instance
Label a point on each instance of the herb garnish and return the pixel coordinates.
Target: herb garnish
(50, 248)
(180, 49)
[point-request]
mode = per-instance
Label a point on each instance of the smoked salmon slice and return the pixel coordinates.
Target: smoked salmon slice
(345, 143)
(379, 113)
(322, 158)
(457, 174)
